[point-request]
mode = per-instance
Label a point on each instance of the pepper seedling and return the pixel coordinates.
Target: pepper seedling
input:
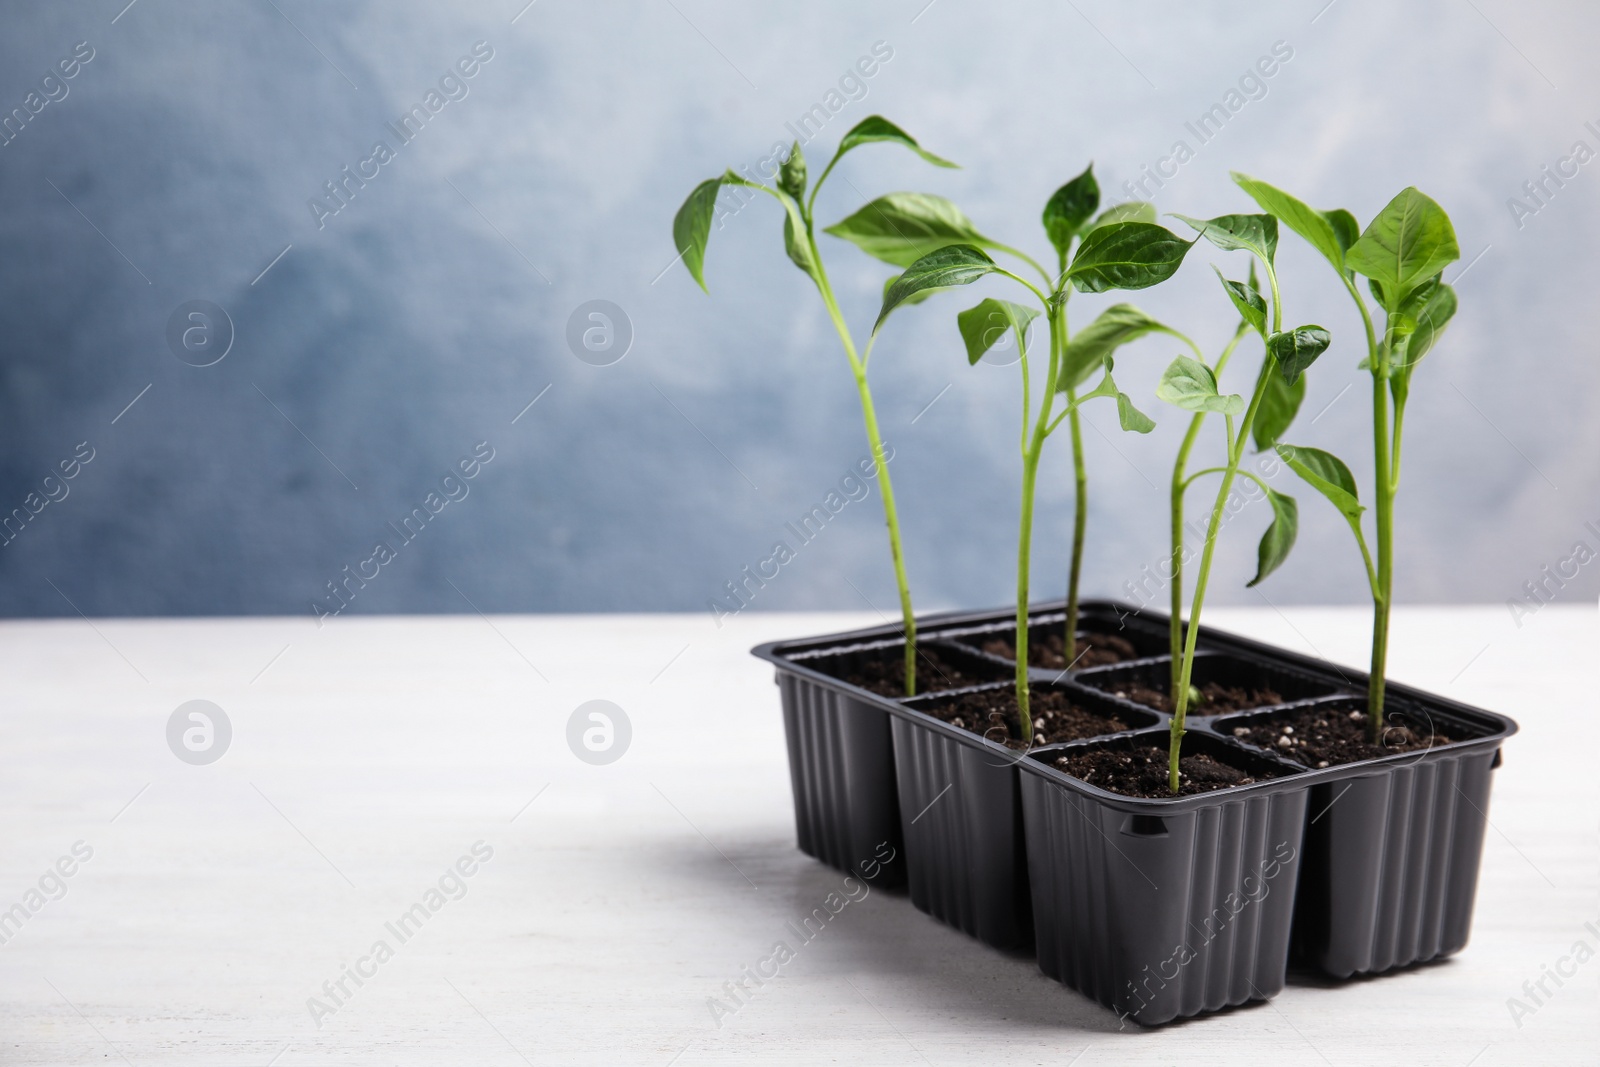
(893, 227)
(691, 229)
(1191, 384)
(1067, 218)
(1279, 405)
(1112, 253)
(1402, 253)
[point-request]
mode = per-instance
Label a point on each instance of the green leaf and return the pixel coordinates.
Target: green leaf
(915, 298)
(1346, 230)
(1409, 242)
(1252, 308)
(1406, 313)
(955, 265)
(1131, 418)
(1189, 384)
(1327, 474)
(1114, 327)
(1069, 208)
(1280, 403)
(691, 227)
(1431, 318)
(876, 128)
(1297, 349)
(1247, 233)
(901, 228)
(1126, 255)
(1279, 538)
(1106, 388)
(792, 174)
(1321, 232)
(1128, 211)
(798, 248)
(982, 327)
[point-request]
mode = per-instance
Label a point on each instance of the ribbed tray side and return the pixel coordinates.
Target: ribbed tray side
(961, 821)
(1392, 862)
(1160, 917)
(841, 769)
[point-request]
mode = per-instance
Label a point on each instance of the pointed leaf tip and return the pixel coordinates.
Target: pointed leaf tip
(1278, 538)
(986, 325)
(1069, 208)
(1126, 255)
(941, 269)
(691, 227)
(876, 128)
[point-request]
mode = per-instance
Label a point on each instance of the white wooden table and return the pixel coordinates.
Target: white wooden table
(369, 756)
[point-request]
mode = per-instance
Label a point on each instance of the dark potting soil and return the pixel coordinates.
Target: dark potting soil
(1048, 649)
(885, 673)
(1215, 698)
(1327, 737)
(1142, 771)
(992, 713)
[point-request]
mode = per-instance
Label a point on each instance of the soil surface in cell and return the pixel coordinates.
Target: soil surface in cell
(1047, 648)
(1327, 737)
(885, 672)
(1142, 771)
(992, 713)
(1215, 698)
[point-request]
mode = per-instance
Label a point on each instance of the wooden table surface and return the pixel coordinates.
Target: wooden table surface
(213, 913)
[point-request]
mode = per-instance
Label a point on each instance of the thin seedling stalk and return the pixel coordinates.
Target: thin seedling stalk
(1080, 479)
(1386, 461)
(1402, 252)
(691, 229)
(1101, 263)
(1032, 449)
(858, 368)
(1179, 485)
(1384, 494)
(1080, 527)
(1236, 445)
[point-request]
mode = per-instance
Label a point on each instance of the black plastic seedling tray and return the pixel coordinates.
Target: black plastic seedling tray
(1164, 908)
(841, 756)
(854, 777)
(1393, 845)
(1386, 856)
(961, 817)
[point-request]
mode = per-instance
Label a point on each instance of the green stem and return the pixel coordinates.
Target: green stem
(1080, 487)
(1030, 470)
(816, 187)
(1252, 475)
(1080, 526)
(1383, 467)
(1180, 694)
(1386, 470)
(1080, 473)
(1236, 443)
(1180, 483)
(1380, 634)
(1044, 300)
(1029, 260)
(885, 487)
(1175, 624)
(1031, 451)
(1394, 445)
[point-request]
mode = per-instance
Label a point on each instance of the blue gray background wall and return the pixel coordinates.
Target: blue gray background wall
(425, 315)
